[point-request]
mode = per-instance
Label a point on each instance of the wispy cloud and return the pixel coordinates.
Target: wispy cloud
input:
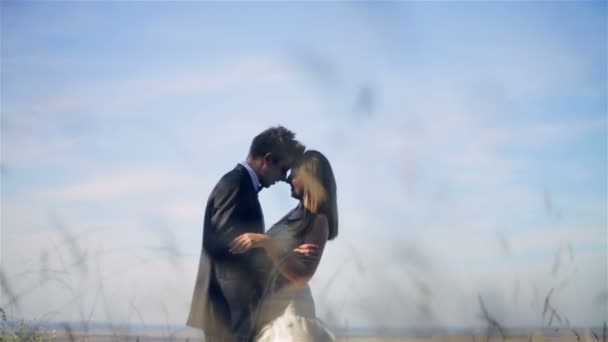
(115, 96)
(118, 183)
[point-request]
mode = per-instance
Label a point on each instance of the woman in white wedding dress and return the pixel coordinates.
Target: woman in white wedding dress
(295, 245)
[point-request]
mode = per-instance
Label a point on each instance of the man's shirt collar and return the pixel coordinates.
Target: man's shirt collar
(257, 186)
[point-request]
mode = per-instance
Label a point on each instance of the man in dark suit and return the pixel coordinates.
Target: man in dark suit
(229, 286)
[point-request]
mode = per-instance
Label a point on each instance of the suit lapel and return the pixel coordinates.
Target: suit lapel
(253, 199)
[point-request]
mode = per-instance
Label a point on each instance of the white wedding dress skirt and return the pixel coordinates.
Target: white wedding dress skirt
(289, 315)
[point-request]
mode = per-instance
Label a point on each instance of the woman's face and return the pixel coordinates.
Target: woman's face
(297, 188)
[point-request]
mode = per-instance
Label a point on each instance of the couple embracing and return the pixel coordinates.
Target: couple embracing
(252, 282)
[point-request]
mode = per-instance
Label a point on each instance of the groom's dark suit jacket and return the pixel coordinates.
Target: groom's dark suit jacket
(225, 307)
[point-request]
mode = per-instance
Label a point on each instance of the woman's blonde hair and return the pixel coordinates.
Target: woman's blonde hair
(319, 184)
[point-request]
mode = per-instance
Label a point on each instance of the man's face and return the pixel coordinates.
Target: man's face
(273, 171)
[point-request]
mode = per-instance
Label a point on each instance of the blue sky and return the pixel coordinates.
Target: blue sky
(468, 141)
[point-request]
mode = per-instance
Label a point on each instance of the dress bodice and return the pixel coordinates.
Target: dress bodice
(289, 232)
(287, 312)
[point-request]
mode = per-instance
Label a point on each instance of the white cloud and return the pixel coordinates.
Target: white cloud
(119, 183)
(116, 96)
(185, 210)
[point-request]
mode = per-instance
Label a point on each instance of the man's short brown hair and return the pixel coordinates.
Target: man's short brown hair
(279, 142)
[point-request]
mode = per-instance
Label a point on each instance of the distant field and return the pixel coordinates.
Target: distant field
(476, 338)
(467, 339)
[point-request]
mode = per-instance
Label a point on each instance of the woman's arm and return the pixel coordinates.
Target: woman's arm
(300, 264)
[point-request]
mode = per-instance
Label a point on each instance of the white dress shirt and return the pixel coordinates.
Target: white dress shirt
(257, 186)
